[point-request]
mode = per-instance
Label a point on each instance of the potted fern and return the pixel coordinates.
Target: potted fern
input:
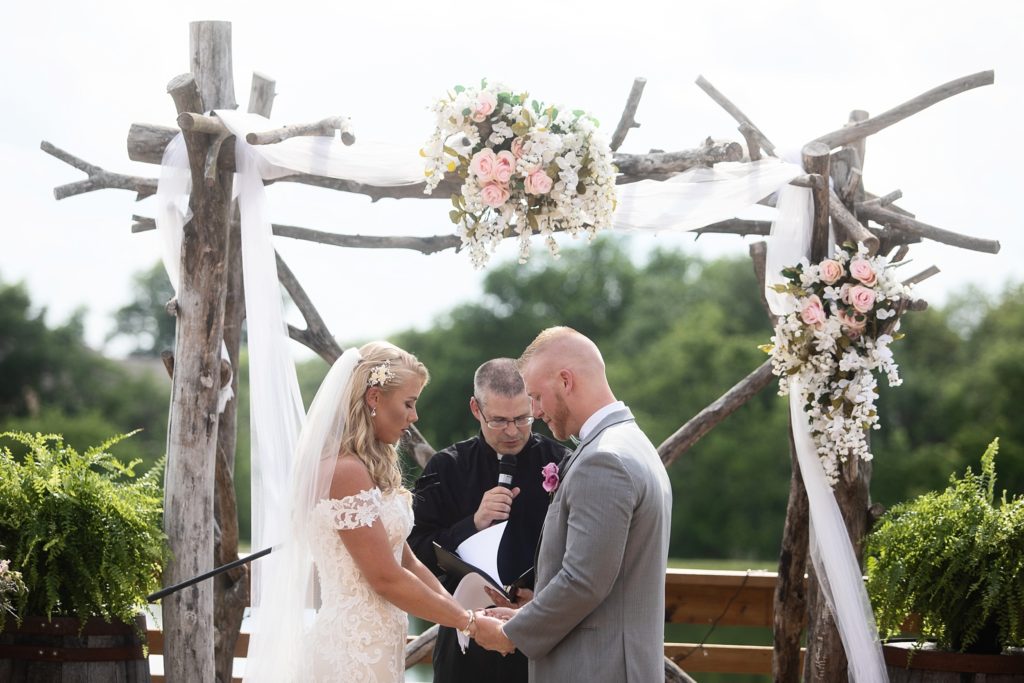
(86, 536)
(955, 559)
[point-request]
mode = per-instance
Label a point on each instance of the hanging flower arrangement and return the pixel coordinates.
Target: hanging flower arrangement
(525, 167)
(842, 316)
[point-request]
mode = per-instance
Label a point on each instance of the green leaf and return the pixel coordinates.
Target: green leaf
(459, 89)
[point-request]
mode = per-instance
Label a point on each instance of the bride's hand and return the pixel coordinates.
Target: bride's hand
(502, 613)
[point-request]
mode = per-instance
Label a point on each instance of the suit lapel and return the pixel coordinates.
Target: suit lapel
(618, 417)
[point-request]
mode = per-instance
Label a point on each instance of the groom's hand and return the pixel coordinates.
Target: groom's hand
(490, 636)
(520, 597)
(494, 507)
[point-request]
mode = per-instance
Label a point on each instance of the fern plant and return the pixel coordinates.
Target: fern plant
(955, 559)
(84, 532)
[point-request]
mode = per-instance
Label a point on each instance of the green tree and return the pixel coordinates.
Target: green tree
(51, 381)
(144, 321)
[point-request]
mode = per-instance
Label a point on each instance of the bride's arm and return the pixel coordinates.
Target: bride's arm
(412, 563)
(369, 548)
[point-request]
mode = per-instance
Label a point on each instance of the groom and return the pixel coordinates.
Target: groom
(598, 614)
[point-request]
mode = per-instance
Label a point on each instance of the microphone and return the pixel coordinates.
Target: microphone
(506, 470)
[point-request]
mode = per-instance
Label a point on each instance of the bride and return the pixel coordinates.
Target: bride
(350, 516)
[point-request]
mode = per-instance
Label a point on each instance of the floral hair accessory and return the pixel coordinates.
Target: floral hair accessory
(525, 168)
(843, 314)
(381, 374)
(550, 474)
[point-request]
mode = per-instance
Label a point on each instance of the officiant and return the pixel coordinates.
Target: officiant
(459, 494)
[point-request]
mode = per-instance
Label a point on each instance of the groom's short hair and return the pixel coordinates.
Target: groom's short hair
(498, 376)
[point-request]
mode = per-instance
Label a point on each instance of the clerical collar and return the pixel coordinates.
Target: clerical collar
(599, 415)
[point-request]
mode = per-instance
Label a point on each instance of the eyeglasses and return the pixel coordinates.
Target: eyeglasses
(522, 421)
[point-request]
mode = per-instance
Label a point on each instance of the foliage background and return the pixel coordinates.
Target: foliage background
(676, 331)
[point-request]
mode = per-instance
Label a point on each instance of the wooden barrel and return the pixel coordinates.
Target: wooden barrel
(929, 665)
(43, 651)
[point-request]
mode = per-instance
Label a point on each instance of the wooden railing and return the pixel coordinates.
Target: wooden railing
(723, 598)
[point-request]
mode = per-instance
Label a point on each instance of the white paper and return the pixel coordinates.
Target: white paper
(481, 550)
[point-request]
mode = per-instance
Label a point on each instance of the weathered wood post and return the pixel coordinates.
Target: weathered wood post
(192, 429)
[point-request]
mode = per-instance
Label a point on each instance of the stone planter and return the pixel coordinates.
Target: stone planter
(42, 651)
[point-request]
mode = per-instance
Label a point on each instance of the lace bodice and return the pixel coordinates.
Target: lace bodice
(358, 635)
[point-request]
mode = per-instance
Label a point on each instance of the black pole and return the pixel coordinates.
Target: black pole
(213, 572)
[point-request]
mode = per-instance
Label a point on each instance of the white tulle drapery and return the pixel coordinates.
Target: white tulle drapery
(835, 563)
(684, 202)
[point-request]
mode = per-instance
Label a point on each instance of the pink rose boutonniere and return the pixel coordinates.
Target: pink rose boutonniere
(550, 474)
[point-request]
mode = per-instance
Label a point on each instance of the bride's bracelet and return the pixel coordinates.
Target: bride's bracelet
(469, 626)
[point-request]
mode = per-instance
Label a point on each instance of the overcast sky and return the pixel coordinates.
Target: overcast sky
(78, 74)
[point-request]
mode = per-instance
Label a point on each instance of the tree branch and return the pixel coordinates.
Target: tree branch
(700, 424)
(737, 226)
(99, 179)
(627, 120)
(316, 336)
(424, 245)
(640, 166)
(890, 218)
(735, 112)
(850, 226)
(857, 131)
(322, 128)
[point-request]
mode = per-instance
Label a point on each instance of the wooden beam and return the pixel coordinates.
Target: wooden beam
(816, 161)
(261, 94)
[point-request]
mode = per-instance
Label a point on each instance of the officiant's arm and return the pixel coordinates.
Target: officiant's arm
(600, 505)
(437, 517)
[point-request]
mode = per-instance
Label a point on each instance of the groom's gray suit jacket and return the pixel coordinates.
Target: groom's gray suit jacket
(598, 614)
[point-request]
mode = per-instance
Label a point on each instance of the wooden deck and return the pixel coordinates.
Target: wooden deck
(691, 597)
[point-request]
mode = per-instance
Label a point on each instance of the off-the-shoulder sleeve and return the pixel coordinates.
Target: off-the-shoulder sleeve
(352, 512)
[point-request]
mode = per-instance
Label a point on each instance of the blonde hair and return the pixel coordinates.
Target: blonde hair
(359, 440)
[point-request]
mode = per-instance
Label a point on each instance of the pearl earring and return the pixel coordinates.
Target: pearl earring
(373, 412)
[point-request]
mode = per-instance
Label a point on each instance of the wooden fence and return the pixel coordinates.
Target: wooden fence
(724, 598)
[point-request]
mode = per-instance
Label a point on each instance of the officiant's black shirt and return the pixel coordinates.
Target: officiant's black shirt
(444, 499)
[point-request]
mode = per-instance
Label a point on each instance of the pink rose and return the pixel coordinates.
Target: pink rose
(861, 270)
(862, 298)
(812, 313)
(485, 104)
(482, 164)
(854, 324)
(517, 148)
(538, 182)
(550, 474)
(494, 194)
(830, 271)
(504, 165)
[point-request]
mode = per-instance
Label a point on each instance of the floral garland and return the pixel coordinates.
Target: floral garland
(526, 168)
(843, 314)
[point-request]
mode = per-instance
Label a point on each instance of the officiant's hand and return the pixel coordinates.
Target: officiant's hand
(520, 597)
(494, 507)
(490, 636)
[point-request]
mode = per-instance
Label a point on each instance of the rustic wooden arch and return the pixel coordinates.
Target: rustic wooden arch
(201, 623)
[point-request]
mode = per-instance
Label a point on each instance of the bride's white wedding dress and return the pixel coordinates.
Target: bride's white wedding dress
(358, 636)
